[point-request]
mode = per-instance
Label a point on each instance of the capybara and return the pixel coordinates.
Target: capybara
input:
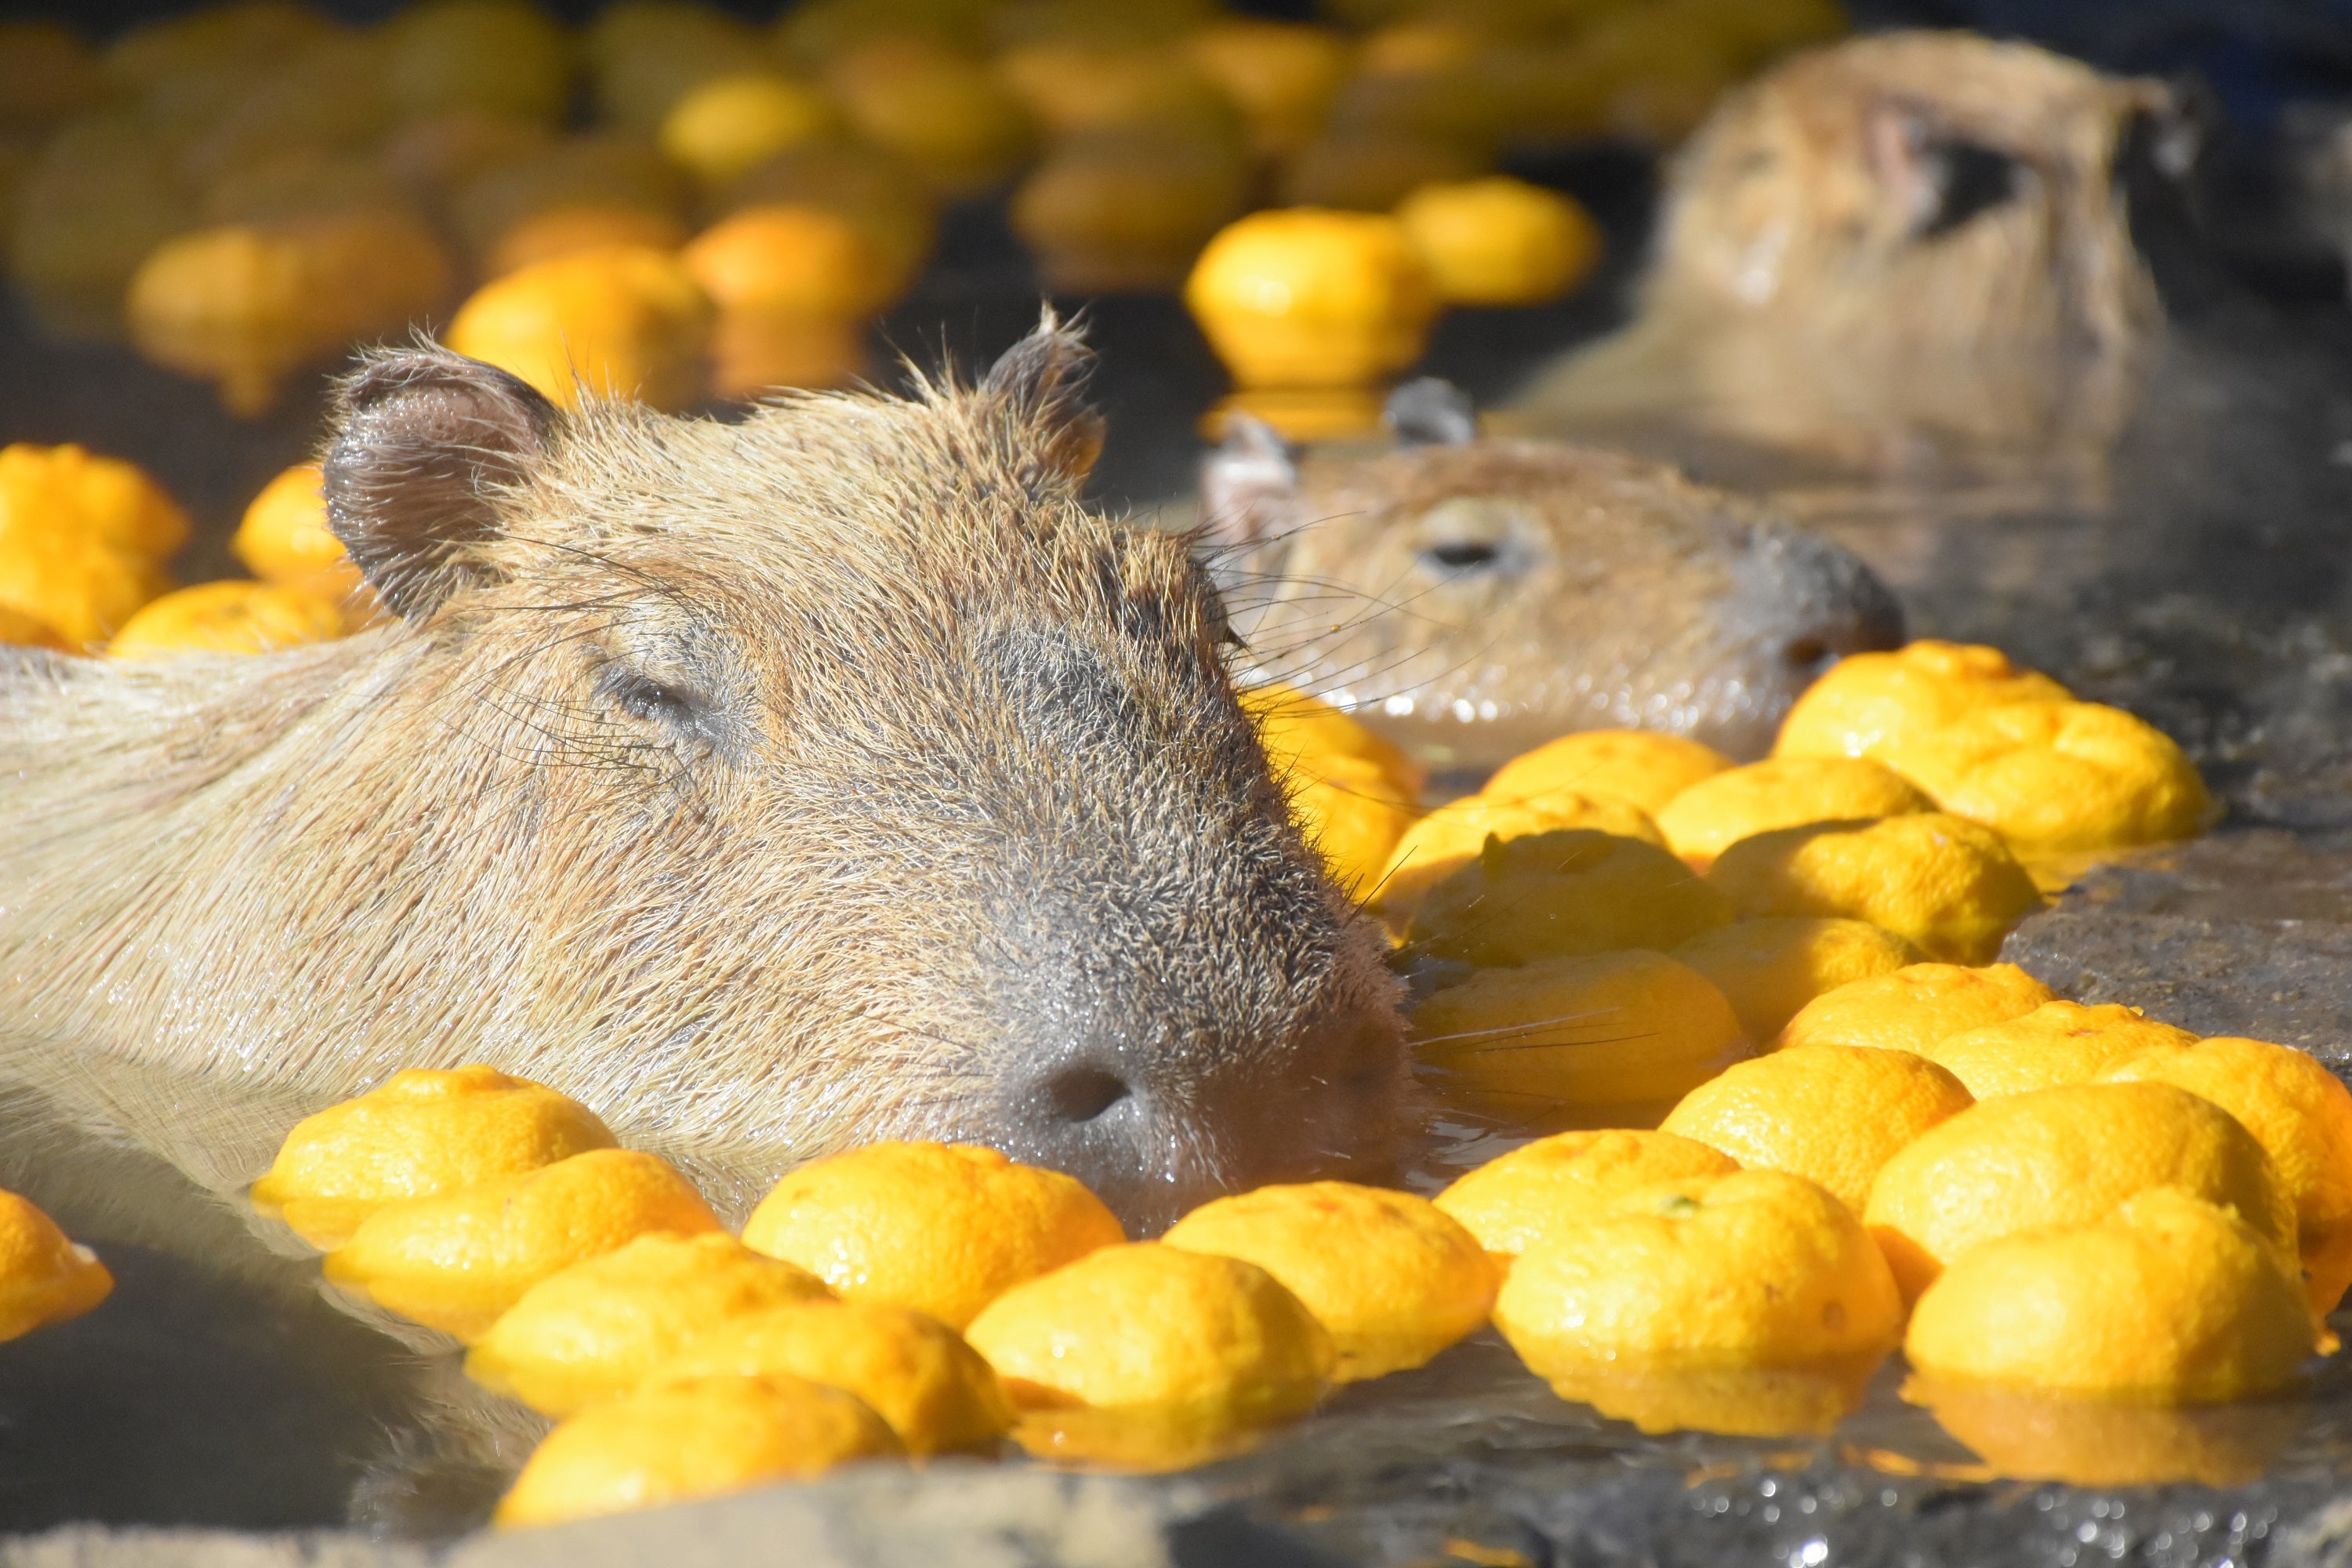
(768, 787)
(1473, 598)
(1908, 248)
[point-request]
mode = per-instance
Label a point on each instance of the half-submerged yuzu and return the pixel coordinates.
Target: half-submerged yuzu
(1833, 1114)
(1626, 1032)
(2058, 1042)
(2064, 1156)
(1145, 1325)
(459, 1260)
(1947, 884)
(44, 1278)
(1916, 1006)
(229, 616)
(2060, 775)
(1771, 967)
(1755, 1272)
(419, 1133)
(943, 1228)
(2169, 1299)
(1869, 702)
(599, 1328)
(1715, 813)
(918, 1373)
(1452, 837)
(2300, 1112)
(1558, 894)
(1511, 1203)
(1389, 1276)
(1642, 766)
(693, 1439)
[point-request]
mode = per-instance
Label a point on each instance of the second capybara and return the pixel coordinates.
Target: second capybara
(1473, 597)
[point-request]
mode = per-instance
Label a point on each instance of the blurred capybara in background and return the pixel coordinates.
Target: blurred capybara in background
(1917, 240)
(1474, 598)
(769, 787)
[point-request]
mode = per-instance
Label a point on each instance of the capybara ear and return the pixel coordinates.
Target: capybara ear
(425, 441)
(1246, 481)
(1043, 379)
(1430, 412)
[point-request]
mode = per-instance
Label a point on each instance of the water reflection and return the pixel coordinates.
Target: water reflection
(2022, 1435)
(1745, 1402)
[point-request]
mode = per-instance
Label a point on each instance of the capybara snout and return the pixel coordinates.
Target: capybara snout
(771, 786)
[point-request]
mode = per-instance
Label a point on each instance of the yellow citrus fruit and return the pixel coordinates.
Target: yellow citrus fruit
(2064, 1156)
(19, 629)
(457, 1261)
(2028, 1434)
(599, 1328)
(1917, 1005)
(1871, 701)
(2300, 1112)
(2169, 1299)
(420, 1133)
(1550, 895)
(1280, 75)
(1295, 727)
(1833, 1114)
(74, 492)
(80, 541)
(697, 1439)
(941, 113)
(44, 1278)
(1771, 967)
(918, 1373)
(1145, 1325)
(1500, 241)
(2059, 776)
(1639, 766)
(1389, 1276)
(944, 1229)
(729, 125)
(1756, 1270)
(802, 261)
(1947, 884)
(619, 321)
(1452, 837)
(1353, 793)
(1604, 1031)
(284, 537)
(79, 590)
(1715, 813)
(2057, 1043)
(1312, 297)
(1351, 810)
(1513, 1201)
(227, 618)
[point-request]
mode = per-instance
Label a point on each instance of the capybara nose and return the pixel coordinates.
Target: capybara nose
(1154, 1134)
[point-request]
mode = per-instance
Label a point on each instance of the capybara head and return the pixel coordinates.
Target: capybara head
(1474, 598)
(1911, 232)
(770, 787)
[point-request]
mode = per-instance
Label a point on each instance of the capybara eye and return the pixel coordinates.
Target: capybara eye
(674, 707)
(1968, 179)
(1463, 554)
